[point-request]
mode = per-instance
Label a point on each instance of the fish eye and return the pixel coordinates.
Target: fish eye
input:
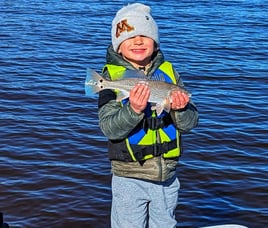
(101, 80)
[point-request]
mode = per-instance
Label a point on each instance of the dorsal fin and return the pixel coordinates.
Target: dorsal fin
(158, 77)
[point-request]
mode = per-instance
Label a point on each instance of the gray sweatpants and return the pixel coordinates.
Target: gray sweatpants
(139, 204)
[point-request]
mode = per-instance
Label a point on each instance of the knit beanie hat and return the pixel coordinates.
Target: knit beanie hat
(133, 20)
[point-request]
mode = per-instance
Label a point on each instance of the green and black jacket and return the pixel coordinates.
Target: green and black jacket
(121, 124)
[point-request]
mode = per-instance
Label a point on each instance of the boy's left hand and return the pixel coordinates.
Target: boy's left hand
(179, 100)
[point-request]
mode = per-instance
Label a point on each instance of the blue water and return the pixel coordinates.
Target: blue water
(53, 158)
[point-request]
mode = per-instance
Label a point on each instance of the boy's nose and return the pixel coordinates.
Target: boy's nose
(138, 40)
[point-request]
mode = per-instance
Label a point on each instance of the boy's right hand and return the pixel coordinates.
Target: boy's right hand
(139, 97)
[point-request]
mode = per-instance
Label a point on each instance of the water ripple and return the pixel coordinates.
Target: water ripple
(54, 166)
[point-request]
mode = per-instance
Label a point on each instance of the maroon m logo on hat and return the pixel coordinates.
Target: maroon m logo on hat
(123, 26)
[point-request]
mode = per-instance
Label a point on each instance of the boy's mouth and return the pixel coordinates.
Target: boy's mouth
(138, 50)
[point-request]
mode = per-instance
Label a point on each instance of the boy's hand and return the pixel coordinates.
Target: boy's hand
(179, 100)
(139, 97)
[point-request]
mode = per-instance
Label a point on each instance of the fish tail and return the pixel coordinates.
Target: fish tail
(91, 83)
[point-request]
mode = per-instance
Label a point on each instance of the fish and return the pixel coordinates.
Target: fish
(160, 96)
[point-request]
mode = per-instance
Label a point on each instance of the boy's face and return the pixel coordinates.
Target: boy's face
(137, 50)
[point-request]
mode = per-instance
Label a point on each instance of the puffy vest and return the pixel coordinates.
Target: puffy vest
(154, 135)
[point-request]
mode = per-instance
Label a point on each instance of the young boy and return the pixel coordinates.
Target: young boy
(143, 148)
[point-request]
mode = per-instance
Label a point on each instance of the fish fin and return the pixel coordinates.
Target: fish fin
(163, 106)
(167, 105)
(159, 109)
(91, 83)
(134, 74)
(158, 77)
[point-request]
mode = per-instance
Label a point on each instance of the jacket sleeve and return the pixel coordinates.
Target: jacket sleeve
(187, 118)
(117, 121)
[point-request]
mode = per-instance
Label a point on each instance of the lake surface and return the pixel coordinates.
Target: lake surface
(54, 170)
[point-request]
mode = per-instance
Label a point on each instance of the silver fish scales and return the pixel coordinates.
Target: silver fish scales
(160, 90)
